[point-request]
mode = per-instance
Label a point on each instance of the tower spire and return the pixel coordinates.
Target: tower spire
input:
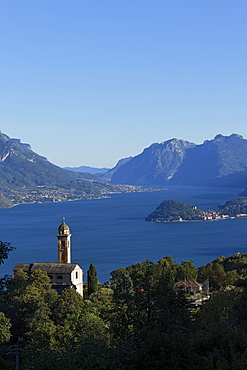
(64, 251)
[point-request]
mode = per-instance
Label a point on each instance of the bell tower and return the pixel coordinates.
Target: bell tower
(63, 236)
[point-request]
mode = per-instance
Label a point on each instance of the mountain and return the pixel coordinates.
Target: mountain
(103, 173)
(88, 169)
(155, 165)
(29, 177)
(218, 162)
(107, 176)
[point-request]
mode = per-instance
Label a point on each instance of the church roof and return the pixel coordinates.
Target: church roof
(49, 267)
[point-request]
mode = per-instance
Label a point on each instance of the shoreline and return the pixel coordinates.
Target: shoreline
(134, 189)
(181, 221)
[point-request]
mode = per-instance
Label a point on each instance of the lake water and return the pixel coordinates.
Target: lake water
(112, 232)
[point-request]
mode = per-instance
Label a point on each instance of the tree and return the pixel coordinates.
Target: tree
(124, 287)
(68, 303)
(218, 278)
(186, 271)
(5, 248)
(27, 302)
(92, 279)
(5, 326)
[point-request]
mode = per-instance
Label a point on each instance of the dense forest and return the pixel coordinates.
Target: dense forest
(171, 210)
(141, 319)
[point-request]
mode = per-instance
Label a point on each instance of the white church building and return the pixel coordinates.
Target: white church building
(63, 274)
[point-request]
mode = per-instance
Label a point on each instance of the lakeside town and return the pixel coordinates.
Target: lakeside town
(44, 195)
(214, 215)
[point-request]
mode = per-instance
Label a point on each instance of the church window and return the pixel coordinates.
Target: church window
(59, 277)
(76, 274)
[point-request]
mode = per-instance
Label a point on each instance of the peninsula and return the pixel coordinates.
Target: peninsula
(173, 211)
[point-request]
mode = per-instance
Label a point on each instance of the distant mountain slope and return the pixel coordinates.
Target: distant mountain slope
(88, 169)
(27, 176)
(218, 162)
(107, 176)
(155, 165)
(21, 167)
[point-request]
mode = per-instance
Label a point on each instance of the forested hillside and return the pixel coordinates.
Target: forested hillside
(171, 210)
(234, 206)
(142, 320)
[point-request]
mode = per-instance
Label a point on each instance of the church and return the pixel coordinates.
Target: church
(63, 274)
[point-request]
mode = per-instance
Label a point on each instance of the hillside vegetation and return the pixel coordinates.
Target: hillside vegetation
(142, 320)
(234, 206)
(171, 210)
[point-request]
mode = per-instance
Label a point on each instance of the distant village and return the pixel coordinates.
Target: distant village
(214, 215)
(207, 216)
(52, 195)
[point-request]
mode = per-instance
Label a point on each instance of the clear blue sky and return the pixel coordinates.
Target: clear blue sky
(87, 82)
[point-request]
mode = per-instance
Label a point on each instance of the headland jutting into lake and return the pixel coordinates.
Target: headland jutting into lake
(174, 211)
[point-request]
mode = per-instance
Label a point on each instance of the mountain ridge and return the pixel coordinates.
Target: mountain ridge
(155, 165)
(29, 177)
(87, 169)
(221, 161)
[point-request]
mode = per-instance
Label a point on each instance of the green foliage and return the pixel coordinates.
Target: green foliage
(27, 302)
(123, 286)
(68, 303)
(144, 324)
(218, 278)
(92, 279)
(5, 248)
(86, 325)
(220, 309)
(144, 297)
(224, 271)
(171, 210)
(5, 326)
(241, 310)
(234, 206)
(186, 271)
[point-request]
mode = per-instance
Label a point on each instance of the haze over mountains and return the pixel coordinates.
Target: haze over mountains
(88, 169)
(218, 162)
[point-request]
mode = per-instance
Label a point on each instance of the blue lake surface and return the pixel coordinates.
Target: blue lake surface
(112, 232)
